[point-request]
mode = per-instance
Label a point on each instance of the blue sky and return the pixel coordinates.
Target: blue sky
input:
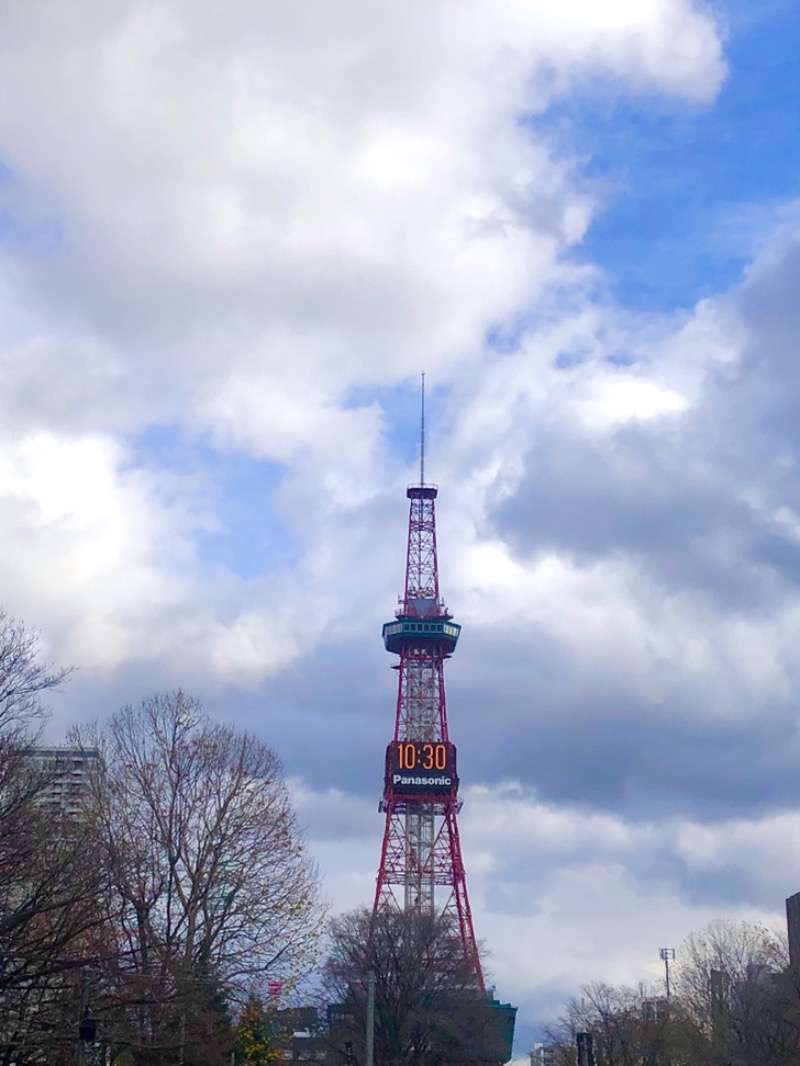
(688, 191)
(232, 241)
(247, 533)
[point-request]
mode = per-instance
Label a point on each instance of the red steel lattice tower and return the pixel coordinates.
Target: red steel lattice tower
(421, 863)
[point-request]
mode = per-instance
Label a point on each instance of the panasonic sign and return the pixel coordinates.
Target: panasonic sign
(404, 779)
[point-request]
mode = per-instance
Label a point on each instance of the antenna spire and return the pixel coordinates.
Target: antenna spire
(422, 436)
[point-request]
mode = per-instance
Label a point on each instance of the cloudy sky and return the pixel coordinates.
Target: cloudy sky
(231, 238)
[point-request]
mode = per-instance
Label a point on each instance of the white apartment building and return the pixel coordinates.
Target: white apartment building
(68, 772)
(543, 1055)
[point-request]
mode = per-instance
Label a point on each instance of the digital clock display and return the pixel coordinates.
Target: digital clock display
(421, 766)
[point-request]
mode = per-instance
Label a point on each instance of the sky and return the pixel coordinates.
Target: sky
(231, 240)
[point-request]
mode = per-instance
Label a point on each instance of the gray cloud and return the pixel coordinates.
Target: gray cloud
(641, 492)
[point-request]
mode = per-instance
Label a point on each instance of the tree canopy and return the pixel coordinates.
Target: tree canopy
(213, 889)
(154, 872)
(735, 1002)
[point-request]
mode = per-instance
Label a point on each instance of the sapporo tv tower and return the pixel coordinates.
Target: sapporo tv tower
(421, 865)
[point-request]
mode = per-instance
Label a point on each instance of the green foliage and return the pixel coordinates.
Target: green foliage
(255, 1044)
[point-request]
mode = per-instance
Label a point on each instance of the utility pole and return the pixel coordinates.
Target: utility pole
(667, 955)
(87, 1027)
(370, 1034)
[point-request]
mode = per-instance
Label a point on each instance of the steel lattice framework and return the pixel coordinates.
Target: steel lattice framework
(421, 863)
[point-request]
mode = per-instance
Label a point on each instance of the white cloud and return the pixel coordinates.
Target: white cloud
(87, 545)
(105, 552)
(230, 221)
(327, 188)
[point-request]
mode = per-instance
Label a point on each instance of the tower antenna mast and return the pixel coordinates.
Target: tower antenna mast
(422, 436)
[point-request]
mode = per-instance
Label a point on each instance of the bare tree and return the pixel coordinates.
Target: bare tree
(630, 1026)
(51, 888)
(428, 1008)
(735, 1002)
(52, 915)
(733, 980)
(23, 677)
(213, 885)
